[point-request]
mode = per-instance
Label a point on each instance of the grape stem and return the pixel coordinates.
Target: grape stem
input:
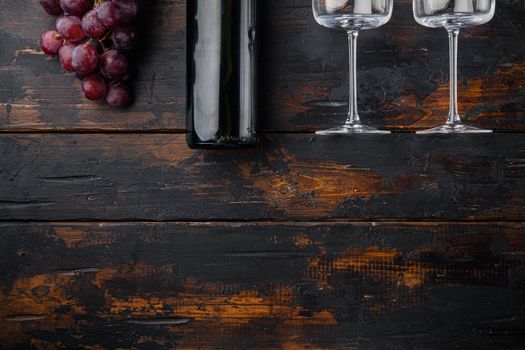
(105, 36)
(103, 39)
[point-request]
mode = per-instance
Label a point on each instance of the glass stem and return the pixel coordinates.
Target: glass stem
(453, 115)
(353, 115)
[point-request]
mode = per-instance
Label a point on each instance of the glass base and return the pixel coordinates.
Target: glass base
(455, 129)
(352, 129)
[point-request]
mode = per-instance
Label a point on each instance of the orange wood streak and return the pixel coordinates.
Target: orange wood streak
(223, 309)
(397, 270)
(39, 295)
(302, 240)
(480, 91)
(320, 187)
(80, 237)
(204, 301)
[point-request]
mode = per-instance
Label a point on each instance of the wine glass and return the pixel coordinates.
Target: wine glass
(352, 16)
(453, 15)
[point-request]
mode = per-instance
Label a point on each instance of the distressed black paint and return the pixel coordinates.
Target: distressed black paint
(156, 177)
(353, 273)
(402, 73)
(254, 285)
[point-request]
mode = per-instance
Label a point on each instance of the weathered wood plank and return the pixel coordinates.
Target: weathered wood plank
(37, 94)
(403, 73)
(262, 286)
(288, 177)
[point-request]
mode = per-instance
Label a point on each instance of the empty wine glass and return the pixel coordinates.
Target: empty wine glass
(453, 15)
(352, 16)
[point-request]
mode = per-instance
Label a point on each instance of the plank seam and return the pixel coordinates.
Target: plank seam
(183, 132)
(268, 222)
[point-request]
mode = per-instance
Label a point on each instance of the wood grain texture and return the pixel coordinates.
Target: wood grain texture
(402, 72)
(400, 241)
(37, 94)
(289, 177)
(262, 286)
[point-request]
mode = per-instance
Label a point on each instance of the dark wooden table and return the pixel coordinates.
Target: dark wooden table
(115, 235)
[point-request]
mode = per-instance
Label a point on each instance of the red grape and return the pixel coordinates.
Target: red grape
(76, 7)
(124, 38)
(51, 42)
(65, 55)
(94, 87)
(81, 37)
(85, 58)
(92, 26)
(52, 7)
(70, 27)
(118, 96)
(108, 14)
(114, 65)
(128, 10)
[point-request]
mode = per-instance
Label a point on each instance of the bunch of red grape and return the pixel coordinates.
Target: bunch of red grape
(92, 38)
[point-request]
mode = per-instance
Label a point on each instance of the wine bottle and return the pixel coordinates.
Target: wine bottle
(221, 78)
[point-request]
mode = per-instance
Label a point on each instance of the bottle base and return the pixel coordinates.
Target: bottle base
(225, 145)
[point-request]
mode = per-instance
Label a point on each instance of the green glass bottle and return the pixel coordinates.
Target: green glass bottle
(222, 73)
